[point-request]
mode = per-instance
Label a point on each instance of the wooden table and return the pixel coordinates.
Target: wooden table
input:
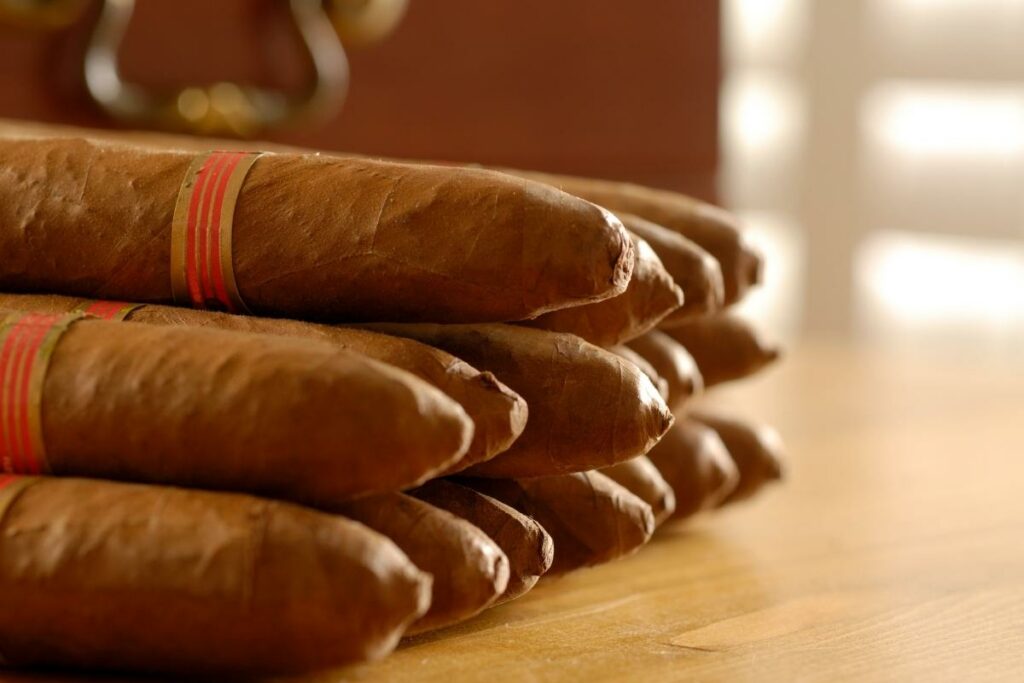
(895, 550)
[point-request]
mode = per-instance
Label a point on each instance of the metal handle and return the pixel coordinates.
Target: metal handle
(361, 22)
(222, 108)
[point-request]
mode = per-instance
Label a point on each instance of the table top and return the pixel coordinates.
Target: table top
(894, 551)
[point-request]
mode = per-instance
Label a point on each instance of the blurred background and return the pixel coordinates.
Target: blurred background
(874, 147)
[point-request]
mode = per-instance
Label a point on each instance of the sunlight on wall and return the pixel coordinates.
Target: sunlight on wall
(979, 40)
(938, 145)
(762, 126)
(952, 119)
(761, 114)
(763, 118)
(763, 31)
(912, 284)
(944, 158)
(958, 7)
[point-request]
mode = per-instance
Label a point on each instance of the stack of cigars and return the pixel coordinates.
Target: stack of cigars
(271, 411)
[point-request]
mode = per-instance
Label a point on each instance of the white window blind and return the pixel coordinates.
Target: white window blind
(878, 146)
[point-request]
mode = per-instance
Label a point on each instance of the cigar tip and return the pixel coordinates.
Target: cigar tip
(704, 289)
(499, 571)
(545, 551)
(696, 380)
(776, 470)
(646, 524)
(624, 260)
(664, 504)
(667, 419)
(678, 297)
(665, 295)
(632, 519)
(476, 580)
(690, 386)
(519, 586)
(516, 409)
(772, 450)
(499, 417)
(722, 474)
(753, 262)
(716, 283)
(663, 388)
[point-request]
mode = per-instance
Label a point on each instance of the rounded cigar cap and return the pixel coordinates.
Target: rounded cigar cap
(755, 448)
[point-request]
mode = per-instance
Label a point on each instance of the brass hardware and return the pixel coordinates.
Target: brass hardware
(361, 22)
(223, 108)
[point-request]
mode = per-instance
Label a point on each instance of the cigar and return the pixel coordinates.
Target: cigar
(643, 479)
(470, 571)
(725, 347)
(756, 448)
(591, 519)
(650, 296)
(714, 230)
(673, 363)
(588, 407)
(290, 418)
(694, 270)
(112, 576)
(527, 545)
(697, 465)
(299, 235)
(628, 354)
(498, 413)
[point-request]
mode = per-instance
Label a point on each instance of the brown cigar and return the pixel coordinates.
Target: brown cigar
(756, 448)
(725, 347)
(695, 271)
(645, 367)
(588, 407)
(712, 229)
(291, 418)
(312, 236)
(470, 571)
(527, 545)
(697, 465)
(498, 413)
(673, 363)
(650, 296)
(591, 519)
(102, 575)
(643, 479)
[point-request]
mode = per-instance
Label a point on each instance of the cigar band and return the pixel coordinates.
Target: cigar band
(27, 341)
(107, 310)
(202, 271)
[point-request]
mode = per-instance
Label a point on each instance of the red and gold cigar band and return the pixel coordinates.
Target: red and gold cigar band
(27, 341)
(202, 272)
(107, 310)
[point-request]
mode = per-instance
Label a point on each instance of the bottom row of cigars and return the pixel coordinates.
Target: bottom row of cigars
(289, 589)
